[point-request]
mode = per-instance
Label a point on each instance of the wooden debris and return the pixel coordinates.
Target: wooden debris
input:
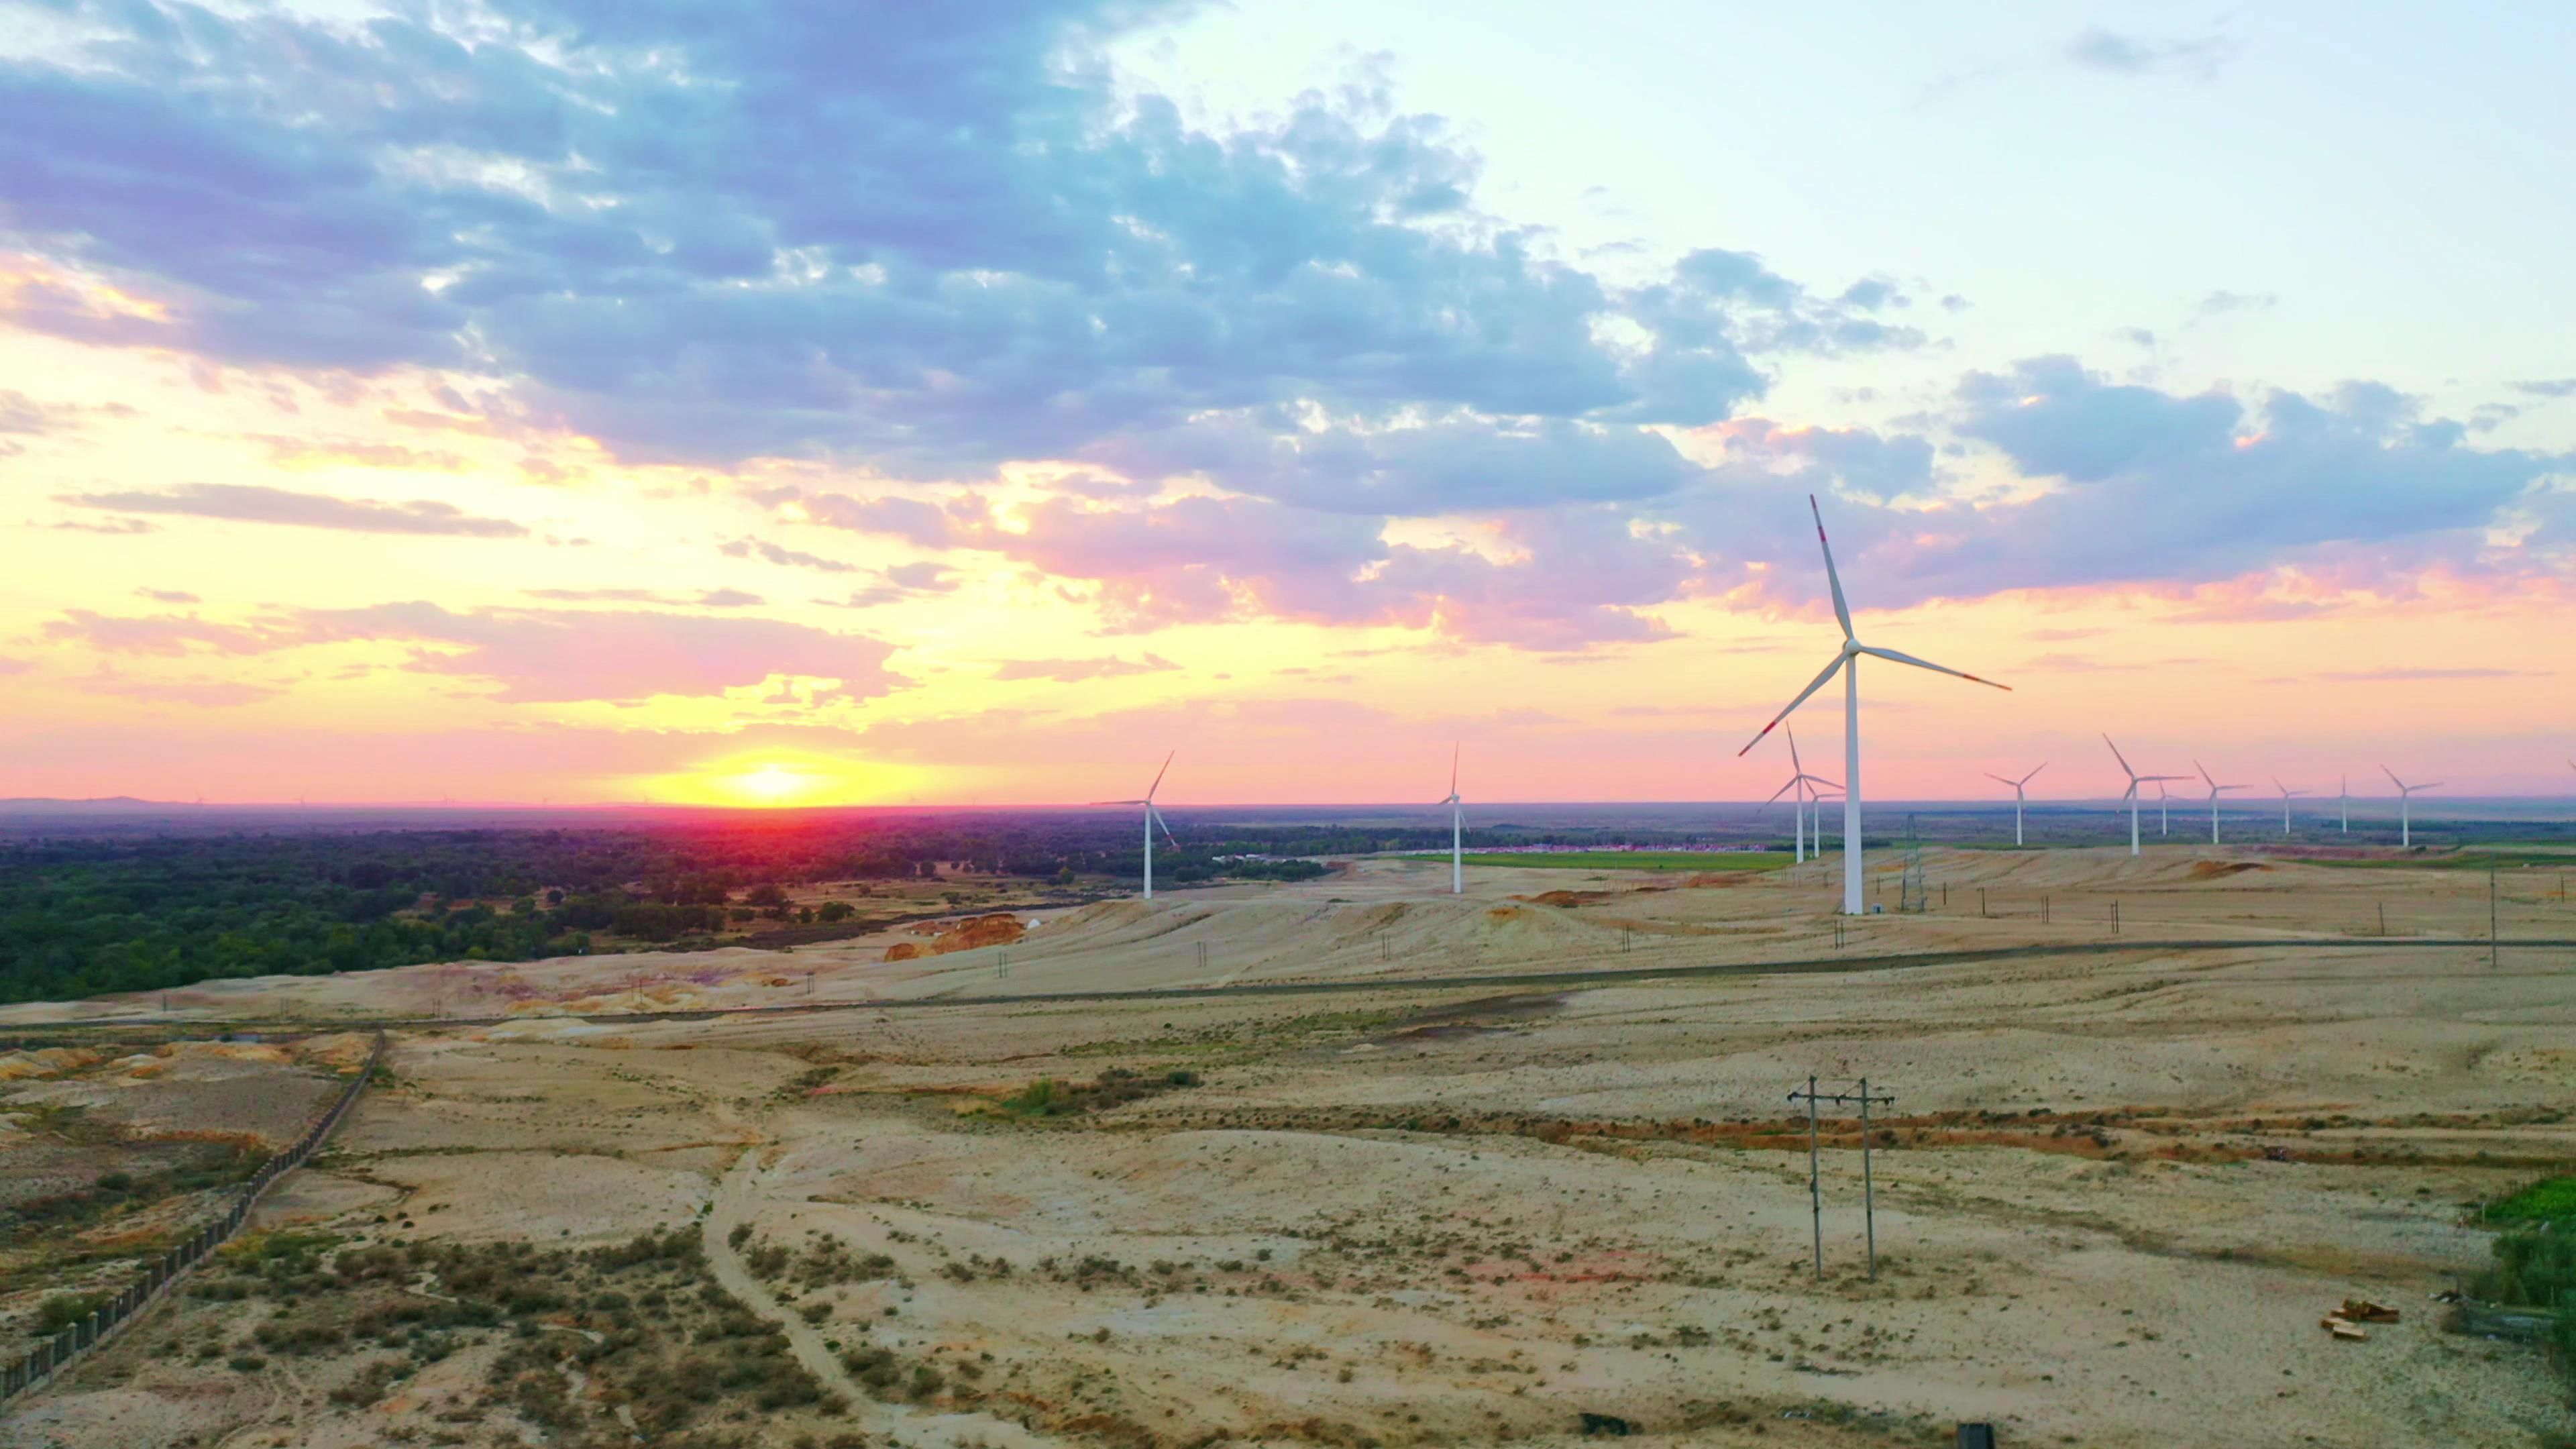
(2362, 1310)
(2342, 1327)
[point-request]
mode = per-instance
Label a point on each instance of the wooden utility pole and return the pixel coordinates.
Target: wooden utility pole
(1868, 1183)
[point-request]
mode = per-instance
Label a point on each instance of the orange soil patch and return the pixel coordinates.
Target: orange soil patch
(1001, 928)
(2214, 869)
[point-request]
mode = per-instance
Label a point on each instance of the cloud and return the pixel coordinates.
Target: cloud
(786, 557)
(705, 598)
(167, 596)
(924, 580)
(160, 634)
(933, 246)
(2548, 387)
(2218, 304)
(1067, 671)
(107, 526)
(252, 503)
(15, 666)
(531, 655)
(28, 417)
(2402, 675)
(2107, 50)
(196, 693)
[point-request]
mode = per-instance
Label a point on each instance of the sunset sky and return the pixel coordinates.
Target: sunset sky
(611, 400)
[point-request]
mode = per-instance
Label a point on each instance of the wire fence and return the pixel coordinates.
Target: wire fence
(42, 1363)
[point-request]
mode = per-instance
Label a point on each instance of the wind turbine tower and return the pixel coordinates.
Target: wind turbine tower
(2405, 798)
(1457, 830)
(1847, 663)
(2214, 789)
(1153, 819)
(2130, 796)
(2344, 786)
(2017, 795)
(2286, 793)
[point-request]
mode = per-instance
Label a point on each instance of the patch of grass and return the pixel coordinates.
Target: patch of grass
(2550, 1200)
(1693, 860)
(1051, 1097)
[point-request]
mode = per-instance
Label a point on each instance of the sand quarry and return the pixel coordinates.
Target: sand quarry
(2115, 1193)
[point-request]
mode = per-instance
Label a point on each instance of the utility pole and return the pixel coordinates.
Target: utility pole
(1815, 1191)
(1868, 1181)
(2491, 918)
(2115, 918)
(1868, 1188)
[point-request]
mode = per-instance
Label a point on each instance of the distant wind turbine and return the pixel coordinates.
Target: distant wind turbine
(1805, 784)
(2164, 810)
(1847, 661)
(2214, 789)
(2344, 788)
(1457, 830)
(2131, 795)
(1153, 819)
(2405, 798)
(2017, 795)
(2286, 793)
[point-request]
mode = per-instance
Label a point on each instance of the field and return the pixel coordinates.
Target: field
(1632, 860)
(1378, 1166)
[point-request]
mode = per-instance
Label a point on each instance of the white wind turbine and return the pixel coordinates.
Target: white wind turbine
(1153, 818)
(2344, 787)
(1848, 663)
(2131, 795)
(2017, 795)
(2164, 811)
(2405, 797)
(2286, 793)
(1457, 830)
(2214, 789)
(1799, 804)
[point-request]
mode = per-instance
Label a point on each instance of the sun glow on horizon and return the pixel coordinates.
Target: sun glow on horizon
(771, 782)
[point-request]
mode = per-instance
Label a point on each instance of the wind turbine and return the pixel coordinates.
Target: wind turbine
(2286, 793)
(2017, 795)
(2345, 786)
(1153, 818)
(1457, 830)
(2131, 795)
(2164, 811)
(2405, 797)
(1847, 661)
(2214, 788)
(1805, 784)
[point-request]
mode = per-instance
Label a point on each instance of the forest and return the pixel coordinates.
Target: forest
(93, 912)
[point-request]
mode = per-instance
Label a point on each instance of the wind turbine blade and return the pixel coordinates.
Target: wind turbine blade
(1167, 829)
(2204, 774)
(2000, 780)
(1117, 802)
(1842, 611)
(2430, 785)
(1821, 780)
(1454, 747)
(1794, 782)
(1928, 664)
(2123, 759)
(1818, 683)
(2393, 780)
(1794, 763)
(1159, 774)
(2033, 775)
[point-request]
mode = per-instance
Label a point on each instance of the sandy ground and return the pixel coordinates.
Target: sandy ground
(2115, 1196)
